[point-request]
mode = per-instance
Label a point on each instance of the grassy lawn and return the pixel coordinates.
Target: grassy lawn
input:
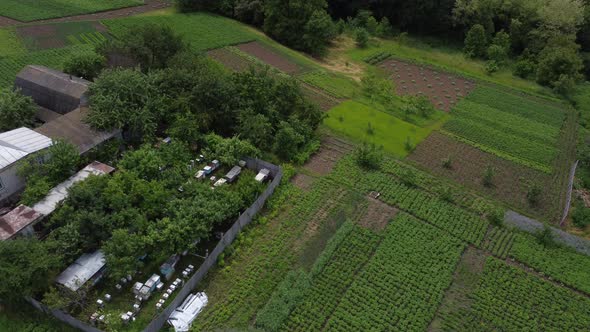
(32, 10)
(447, 58)
(352, 119)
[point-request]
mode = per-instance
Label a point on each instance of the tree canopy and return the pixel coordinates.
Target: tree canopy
(16, 110)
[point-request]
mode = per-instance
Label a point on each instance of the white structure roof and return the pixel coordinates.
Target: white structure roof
(19, 143)
(60, 192)
(83, 269)
(182, 318)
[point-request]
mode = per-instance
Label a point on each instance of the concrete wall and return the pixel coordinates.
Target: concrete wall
(12, 184)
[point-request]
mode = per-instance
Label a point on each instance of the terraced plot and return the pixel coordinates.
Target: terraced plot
(32, 10)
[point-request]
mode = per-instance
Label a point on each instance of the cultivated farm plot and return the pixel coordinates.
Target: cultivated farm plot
(230, 59)
(48, 36)
(378, 215)
(510, 126)
(443, 89)
(331, 151)
(510, 299)
(271, 57)
(32, 10)
(511, 181)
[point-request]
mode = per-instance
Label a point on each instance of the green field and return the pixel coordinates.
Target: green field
(353, 119)
(513, 127)
(336, 85)
(32, 10)
(213, 31)
(509, 299)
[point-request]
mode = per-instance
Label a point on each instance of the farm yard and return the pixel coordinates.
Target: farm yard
(390, 214)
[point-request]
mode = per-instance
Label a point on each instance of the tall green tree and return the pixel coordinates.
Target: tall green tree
(476, 41)
(16, 110)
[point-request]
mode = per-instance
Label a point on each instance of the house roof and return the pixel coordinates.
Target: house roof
(82, 270)
(18, 143)
(16, 220)
(60, 192)
(72, 128)
(54, 80)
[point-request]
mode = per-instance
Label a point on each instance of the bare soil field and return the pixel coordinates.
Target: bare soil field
(378, 214)
(230, 60)
(270, 57)
(303, 181)
(443, 89)
(325, 159)
(48, 36)
(511, 181)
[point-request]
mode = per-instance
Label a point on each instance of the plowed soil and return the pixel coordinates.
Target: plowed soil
(511, 182)
(378, 214)
(332, 149)
(443, 89)
(230, 60)
(270, 57)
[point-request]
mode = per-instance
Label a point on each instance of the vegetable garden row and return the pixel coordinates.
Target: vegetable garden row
(510, 299)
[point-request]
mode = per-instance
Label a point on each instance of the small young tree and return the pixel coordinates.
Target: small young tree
(447, 162)
(362, 37)
(16, 110)
(384, 29)
(534, 194)
(476, 41)
(488, 176)
(581, 216)
(408, 144)
(86, 65)
(496, 217)
(369, 156)
(372, 25)
(545, 237)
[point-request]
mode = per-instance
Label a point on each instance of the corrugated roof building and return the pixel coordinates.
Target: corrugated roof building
(52, 89)
(87, 267)
(18, 221)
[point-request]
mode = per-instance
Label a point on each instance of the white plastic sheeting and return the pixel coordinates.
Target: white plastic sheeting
(182, 318)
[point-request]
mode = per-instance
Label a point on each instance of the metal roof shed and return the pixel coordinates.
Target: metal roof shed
(84, 268)
(52, 89)
(19, 143)
(16, 221)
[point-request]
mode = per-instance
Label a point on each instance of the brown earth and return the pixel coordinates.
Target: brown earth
(230, 60)
(303, 181)
(331, 150)
(150, 5)
(270, 57)
(511, 181)
(443, 89)
(378, 214)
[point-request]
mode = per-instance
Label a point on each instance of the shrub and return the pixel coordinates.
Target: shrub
(581, 217)
(362, 37)
(545, 237)
(369, 156)
(496, 218)
(447, 162)
(408, 144)
(488, 176)
(85, 65)
(370, 129)
(492, 66)
(534, 194)
(524, 68)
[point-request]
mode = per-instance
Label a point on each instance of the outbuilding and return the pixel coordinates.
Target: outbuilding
(88, 269)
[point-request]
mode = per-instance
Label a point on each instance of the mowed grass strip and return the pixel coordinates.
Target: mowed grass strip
(363, 123)
(201, 30)
(32, 10)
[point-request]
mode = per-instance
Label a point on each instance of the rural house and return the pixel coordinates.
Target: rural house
(14, 146)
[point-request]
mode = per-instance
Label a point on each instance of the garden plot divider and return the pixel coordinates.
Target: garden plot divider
(227, 239)
(276, 172)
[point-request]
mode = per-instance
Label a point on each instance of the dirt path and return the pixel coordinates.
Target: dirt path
(150, 5)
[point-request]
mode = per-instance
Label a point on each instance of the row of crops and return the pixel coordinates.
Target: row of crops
(510, 299)
(53, 58)
(236, 295)
(498, 241)
(403, 284)
(31, 10)
(560, 263)
(511, 126)
(333, 281)
(428, 207)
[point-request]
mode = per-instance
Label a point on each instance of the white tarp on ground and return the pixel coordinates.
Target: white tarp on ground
(182, 318)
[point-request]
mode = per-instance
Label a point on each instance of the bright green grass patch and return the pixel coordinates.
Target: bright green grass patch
(448, 58)
(10, 44)
(338, 86)
(53, 58)
(203, 31)
(31, 10)
(396, 110)
(353, 119)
